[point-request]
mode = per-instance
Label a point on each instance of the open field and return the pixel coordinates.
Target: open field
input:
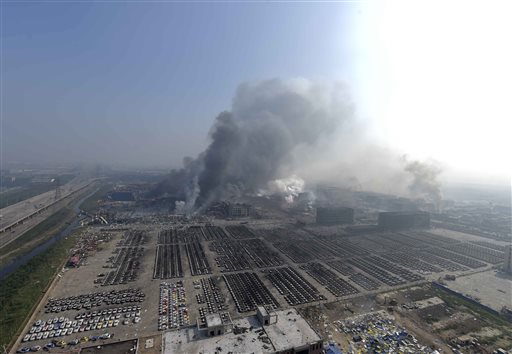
(17, 211)
(19, 194)
(21, 217)
(91, 204)
(36, 236)
(21, 290)
(23, 193)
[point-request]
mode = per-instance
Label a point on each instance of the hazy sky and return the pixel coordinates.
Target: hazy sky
(140, 83)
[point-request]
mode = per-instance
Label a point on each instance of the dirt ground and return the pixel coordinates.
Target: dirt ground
(437, 326)
(322, 318)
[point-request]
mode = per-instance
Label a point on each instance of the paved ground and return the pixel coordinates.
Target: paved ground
(491, 288)
(125, 347)
(81, 280)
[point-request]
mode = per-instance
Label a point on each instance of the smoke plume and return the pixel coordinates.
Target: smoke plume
(256, 141)
(289, 188)
(424, 180)
(280, 136)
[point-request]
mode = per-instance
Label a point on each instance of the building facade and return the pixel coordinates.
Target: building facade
(334, 215)
(404, 220)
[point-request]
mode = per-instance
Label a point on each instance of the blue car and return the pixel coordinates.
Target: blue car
(23, 350)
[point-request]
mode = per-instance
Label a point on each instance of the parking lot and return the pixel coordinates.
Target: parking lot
(84, 311)
(230, 269)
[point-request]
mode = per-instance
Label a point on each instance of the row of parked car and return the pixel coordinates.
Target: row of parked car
(87, 301)
(90, 321)
(113, 311)
(172, 309)
(61, 344)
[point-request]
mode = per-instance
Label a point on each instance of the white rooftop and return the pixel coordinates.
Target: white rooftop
(262, 310)
(213, 320)
(290, 331)
(191, 340)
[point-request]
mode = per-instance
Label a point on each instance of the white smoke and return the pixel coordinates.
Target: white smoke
(179, 207)
(278, 128)
(289, 187)
(187, 206)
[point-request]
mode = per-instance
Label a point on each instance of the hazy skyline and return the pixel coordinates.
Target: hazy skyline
(141, 84)
(144, 82)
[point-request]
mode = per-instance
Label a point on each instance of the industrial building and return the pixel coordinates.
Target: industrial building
(507, 266)
(270, 331)
(403, 220)
(334, 215)
(121, 196)
(237, 210)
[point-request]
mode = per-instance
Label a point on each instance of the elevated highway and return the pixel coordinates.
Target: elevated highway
(22, 216)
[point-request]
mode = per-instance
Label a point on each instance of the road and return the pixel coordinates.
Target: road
(21, 217)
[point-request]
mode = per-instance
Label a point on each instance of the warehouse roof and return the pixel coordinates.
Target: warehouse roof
(290, 331)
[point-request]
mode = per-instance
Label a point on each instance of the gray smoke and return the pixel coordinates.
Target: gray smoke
(424, 180)
(297, 129)
(255, 142)
(289, 188)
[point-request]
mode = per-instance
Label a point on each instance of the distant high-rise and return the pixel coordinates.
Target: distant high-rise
(334, 215)
(404, 220)
(507, 267)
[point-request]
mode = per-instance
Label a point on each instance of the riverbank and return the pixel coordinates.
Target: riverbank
(90, 204)
(41, 236)
(23, 289)
(31, 239)
(38, 257)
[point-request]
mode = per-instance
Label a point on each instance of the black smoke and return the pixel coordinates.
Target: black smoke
(255, 142)
(299, 130)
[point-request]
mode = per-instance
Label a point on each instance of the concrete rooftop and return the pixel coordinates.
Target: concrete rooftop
(290, 331)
